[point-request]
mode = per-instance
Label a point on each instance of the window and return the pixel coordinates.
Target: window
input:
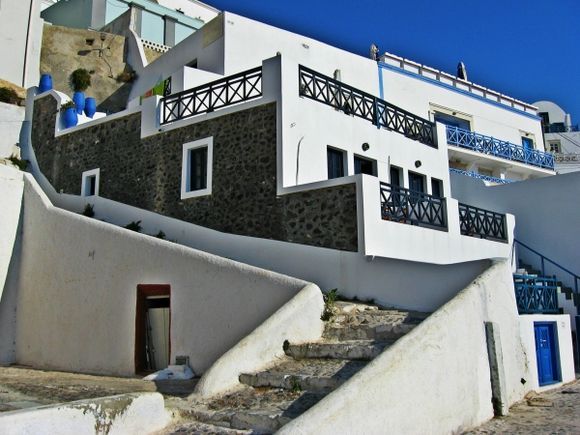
(90, 182)
(452, 121)
(396, 176)
(335, 160)
(363, 165)
(196, 170)
(555, 147)
(437, 187)
(416, 182)
(528, 143)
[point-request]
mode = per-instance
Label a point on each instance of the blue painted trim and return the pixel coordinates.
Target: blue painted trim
(459, 91)
(381, 86)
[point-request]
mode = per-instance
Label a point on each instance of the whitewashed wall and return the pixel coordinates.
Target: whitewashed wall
(191, 8)
(11, 188)
(436, 379)
(77, 293)
(564, 346)
(11, 119)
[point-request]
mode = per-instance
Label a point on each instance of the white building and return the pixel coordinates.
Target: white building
(561, 137)
(20, 41)
(288, 154)
(165, 22)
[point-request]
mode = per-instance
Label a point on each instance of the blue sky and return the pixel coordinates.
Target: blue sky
(528, 49)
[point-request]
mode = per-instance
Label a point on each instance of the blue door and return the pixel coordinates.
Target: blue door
(546, 353)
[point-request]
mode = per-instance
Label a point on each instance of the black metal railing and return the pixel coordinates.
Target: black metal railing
(485, 224)
(411, 207)
(352, 101)
(211, 96)
(536, 294)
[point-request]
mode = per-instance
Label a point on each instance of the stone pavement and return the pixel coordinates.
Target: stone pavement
(552, 412)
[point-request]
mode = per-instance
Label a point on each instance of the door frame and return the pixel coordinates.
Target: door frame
(144, 291)
(554, 352)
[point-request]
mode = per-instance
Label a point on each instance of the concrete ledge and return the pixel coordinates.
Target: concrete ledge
(297, 321)
(124, 414)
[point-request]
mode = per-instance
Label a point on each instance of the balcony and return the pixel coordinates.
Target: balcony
(481, 223)
(487, 178)
(352, 101)
(498, 148)
(536, 295)
(411, 207)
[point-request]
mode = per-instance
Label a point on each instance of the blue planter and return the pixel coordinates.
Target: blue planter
(79, 100)
(70, 117)
(45, 83)
(90, 107)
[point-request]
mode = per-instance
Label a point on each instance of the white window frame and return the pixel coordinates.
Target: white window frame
(436, 108)
(555, 143)
(185, 170)
(88, 174)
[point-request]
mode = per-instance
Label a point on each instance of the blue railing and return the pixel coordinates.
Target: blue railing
(498, 148)
(536, 294)
(544, 259)
(482, 177)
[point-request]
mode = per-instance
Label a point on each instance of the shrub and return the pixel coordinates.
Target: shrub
(67, 105)
(126, 77)
(80, 80)
(89, 210)
(160, 235)
(329, 300)
(134, 226)
(9, 95)
(22, 164)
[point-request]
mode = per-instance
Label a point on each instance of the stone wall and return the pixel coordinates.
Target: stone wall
(146, 173)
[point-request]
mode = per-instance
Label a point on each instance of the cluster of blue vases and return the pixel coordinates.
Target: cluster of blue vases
(70, 118)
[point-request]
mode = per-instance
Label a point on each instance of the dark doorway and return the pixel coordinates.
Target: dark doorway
(152, 327)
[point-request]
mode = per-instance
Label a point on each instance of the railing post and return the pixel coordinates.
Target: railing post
(543, 270)
(376, 112)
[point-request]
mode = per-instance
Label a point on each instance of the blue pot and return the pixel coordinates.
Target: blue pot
(90, 107)
(79, 100)
(70, 117)
(45, 83)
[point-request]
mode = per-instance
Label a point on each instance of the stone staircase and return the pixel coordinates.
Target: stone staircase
(269, 399)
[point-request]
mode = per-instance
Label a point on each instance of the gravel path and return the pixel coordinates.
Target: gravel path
(552, 412)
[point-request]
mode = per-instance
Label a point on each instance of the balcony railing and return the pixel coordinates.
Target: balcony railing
(355, 102)
(215, 95)
(485, 224)
(411, 207)
(498, 148)
(536, 295)
(481, 176)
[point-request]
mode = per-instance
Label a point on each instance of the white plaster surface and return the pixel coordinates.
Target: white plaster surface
(564, 346)
(142, 413)
(11, 188)
(436, 379)
(77, 293)
(299, 318)
(11, 119)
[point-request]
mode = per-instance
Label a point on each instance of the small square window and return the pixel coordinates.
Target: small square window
(555, 147)
(363, 165)
(196, 171)
(336, 163)
(90, 183)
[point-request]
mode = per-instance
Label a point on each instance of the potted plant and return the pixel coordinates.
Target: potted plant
(69, 114)
(79, 80)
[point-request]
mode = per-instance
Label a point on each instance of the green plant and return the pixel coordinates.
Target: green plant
(8, 95)
(67, 105)
(295, 386)
(80, 80)
(134, 226)
(160, 235)
(22, 164)
(329, 299)
(89, 210)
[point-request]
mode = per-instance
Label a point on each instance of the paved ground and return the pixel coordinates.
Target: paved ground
(21, 387)
(553, 412)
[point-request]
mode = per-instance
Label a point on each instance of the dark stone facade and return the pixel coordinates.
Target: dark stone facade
(146, 173)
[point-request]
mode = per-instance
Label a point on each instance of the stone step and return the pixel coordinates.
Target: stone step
(320, 375)
(351, 350)
(367, 331)
(259, 410)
